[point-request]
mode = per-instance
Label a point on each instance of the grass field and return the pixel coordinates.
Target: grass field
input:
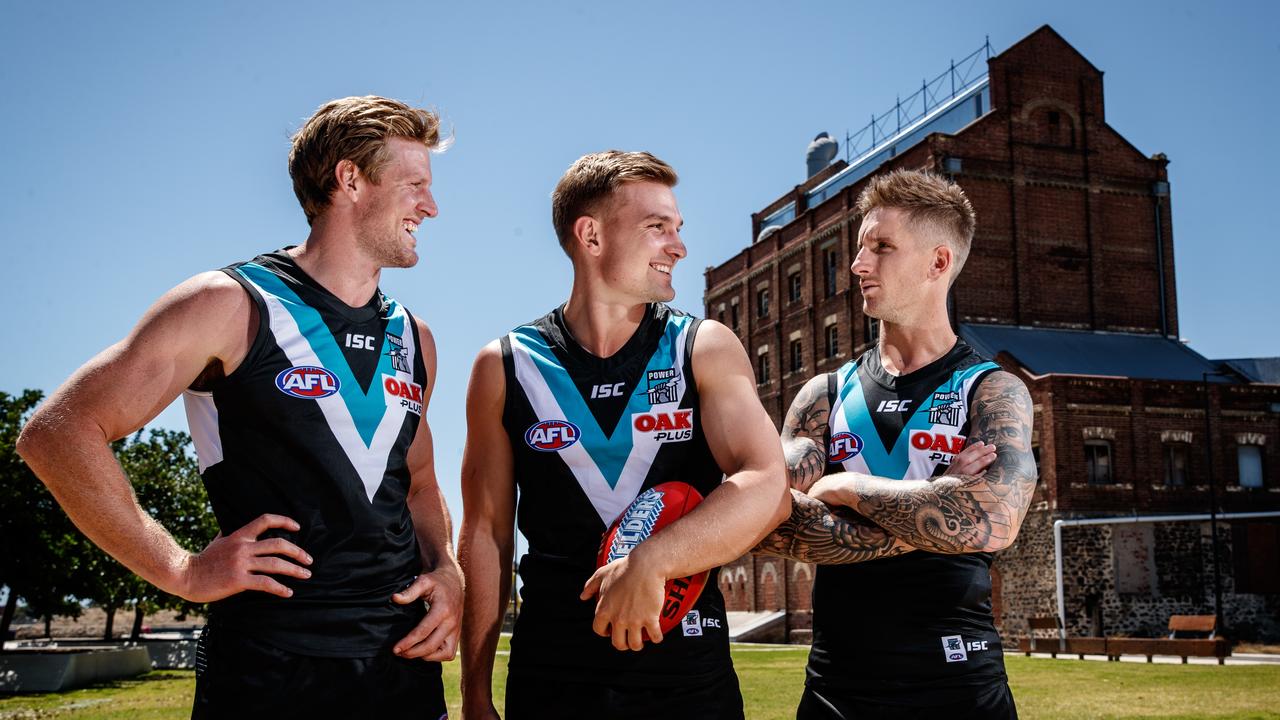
(771, 683)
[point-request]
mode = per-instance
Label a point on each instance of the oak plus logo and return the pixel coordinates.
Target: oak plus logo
(664, 427)
(407, 395)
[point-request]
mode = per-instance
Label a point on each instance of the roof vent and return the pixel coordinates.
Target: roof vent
(820, 154)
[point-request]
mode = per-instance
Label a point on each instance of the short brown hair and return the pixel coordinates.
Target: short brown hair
(355, 129)
(593, 178)
(926, 199)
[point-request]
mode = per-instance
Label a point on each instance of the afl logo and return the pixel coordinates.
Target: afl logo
(551, 435)
(843, 446)
(307, 382)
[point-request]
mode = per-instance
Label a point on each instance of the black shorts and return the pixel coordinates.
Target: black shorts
(540, 698)
(240, 677)
(992, 702)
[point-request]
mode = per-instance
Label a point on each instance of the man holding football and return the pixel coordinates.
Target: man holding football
(590, 406)
(909, 467)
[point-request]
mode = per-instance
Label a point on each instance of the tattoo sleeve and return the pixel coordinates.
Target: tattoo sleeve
(816, 533)
(965, 513)
(804, 434)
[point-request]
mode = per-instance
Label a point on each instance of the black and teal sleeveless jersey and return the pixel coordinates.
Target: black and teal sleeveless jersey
(588, 435)
(315, 424)
(913, 626)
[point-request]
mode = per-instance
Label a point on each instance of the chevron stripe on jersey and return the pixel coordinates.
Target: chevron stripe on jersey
(851, 414)
(609, 468)
(363, 422)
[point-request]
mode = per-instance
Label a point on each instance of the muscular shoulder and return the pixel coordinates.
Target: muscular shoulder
(1000, 385)
(488, 379)
(715, 342)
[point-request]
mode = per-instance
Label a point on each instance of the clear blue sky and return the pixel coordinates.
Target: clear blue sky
(146, 142)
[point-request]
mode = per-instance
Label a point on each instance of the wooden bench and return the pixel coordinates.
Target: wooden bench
(1079, 646)
(1184, 647)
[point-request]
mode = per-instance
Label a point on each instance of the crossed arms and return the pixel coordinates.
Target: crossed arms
(977, 506)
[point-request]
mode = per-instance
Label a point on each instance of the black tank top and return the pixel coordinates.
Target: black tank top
(910, 627)
(315, 424)
(588, 435)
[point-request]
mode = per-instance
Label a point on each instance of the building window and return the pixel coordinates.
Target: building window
(797, 356)
(872, 328)
(762, 302)
(1097, 458)
(720, 317)
(1035, 456)
(733, 314)
(1249, 461)
(830, 260)
(793, 287)
(764, 369)
(1175, 464)
(833, 340)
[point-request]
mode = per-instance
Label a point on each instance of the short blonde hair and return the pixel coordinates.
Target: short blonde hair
(926, 200)
(593, 178)
(355, 129)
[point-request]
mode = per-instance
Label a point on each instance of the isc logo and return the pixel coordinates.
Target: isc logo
(551, 435)
(308, 382)
(843, 446)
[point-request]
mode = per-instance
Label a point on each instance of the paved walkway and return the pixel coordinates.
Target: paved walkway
(1237, 659)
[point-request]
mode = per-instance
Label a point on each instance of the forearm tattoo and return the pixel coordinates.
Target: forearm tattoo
(816, 533)
(964, 513)
(804, 435)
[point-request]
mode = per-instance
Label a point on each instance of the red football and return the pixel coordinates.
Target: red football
(651, 511)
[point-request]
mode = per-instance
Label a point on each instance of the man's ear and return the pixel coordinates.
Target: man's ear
(350, 180)
(943, 261)
(586, 235)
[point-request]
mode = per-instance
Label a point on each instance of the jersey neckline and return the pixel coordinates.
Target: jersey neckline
(628, 349)
(874, 367)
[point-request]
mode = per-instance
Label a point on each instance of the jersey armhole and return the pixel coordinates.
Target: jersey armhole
(690, 336)
(419, 359)
(832, 389)
(257, 347)
(508, 377)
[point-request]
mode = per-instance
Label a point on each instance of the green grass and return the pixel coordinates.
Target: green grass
(772, 680)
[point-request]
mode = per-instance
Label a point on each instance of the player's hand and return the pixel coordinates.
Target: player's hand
(630, 600)
(240, 561)
(436, 636)
(973, 459)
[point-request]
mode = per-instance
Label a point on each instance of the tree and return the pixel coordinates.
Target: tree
(166, 480)
(39, 563)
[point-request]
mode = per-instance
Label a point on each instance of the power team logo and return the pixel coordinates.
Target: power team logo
(307, 382)
(551, 435)
(945, 409)
(398, 353)
(663, 386)
(691, 625)
(953, 648)
(407, 395)
(843, 446)
(664, 427)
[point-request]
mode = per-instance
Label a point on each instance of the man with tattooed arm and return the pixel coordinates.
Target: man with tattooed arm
(909, 467)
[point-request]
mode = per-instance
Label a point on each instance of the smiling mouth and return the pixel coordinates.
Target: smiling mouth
(664, 269)
(409, 226)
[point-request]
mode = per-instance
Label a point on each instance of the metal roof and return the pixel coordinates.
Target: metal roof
(1045, 351)
(1260, 370)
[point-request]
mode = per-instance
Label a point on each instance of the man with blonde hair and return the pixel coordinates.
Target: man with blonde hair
(305, 389)
(909, 467)
(651, 395)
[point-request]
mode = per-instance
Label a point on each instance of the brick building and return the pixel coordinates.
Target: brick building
(1070, 285)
